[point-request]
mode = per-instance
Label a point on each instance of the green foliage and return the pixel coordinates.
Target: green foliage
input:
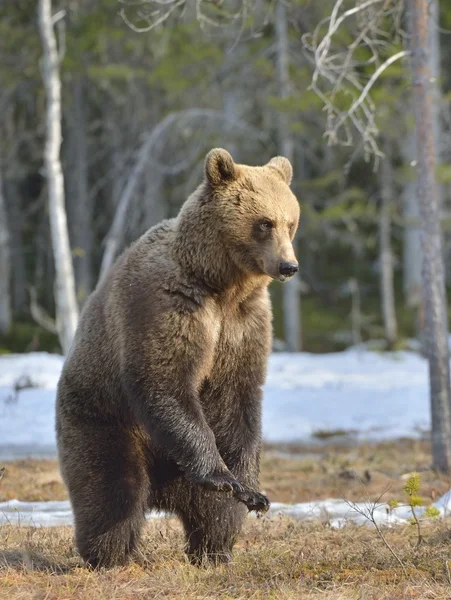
(444, 173)
(415, 501)
(295, 103)
(412, 485)
(25, 336)
(431, 512)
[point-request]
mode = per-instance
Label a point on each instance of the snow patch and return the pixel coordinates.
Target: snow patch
(336, 512)
(379, 395)
(41, 368)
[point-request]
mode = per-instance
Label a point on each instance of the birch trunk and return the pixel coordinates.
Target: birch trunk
(5, 288)
(65, 300)
(436, 321)
(292, 288)
(385, 251)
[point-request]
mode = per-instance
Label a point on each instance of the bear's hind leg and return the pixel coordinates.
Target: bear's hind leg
(212, 522)
(104, 471)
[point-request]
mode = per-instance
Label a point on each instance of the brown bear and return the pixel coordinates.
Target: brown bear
(159, 401)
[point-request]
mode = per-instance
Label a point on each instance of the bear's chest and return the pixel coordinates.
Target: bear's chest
(239, 345)
(235, 333)
(224, 329)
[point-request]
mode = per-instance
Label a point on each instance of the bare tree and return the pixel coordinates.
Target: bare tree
(385, 249)
(434, 294)
(113, 241)
(5, 289)
(145, 159)
(335, 70)
(149, 14)
(292, 289)
(65, 299)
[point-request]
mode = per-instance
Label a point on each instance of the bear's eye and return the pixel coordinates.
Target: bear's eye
(266, 225)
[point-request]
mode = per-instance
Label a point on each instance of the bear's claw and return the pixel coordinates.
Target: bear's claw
(255, 501)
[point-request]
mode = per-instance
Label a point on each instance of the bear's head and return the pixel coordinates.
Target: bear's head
(245, 216)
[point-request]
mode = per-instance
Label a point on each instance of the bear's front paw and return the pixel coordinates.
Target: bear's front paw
(253, 500)
(221, 481)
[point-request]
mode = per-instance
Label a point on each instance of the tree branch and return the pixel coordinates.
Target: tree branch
(337, 70)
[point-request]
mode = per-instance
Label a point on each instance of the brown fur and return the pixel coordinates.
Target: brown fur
(159, 402)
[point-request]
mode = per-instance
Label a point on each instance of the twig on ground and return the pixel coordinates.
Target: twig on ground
(369, 514)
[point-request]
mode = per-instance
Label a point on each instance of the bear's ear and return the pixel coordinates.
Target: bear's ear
(283, 166)
(219, 167)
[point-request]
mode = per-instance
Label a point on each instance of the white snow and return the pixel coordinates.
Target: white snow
(40, 514)
(337, 513)
(41, 368)
(375, 395)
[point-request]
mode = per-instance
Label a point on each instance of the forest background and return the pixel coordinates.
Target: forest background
(139, 113)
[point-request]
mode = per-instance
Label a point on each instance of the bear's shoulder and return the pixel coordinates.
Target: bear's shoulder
(161, 233)
(152, 251)
(149, 276)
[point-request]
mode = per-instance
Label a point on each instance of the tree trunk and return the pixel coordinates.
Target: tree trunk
(79, 205)
(412, 252)
(16, 221)
(291, 289)
(435, 87)
(435, 309)
(413, 257)
(65, 300)
(385, 250)
(5, 289)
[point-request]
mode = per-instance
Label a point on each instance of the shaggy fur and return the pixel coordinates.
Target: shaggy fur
(159, 401)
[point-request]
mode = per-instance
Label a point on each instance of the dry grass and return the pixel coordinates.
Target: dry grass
(290, 474)
(304, 473)
(32, 480)
(275, 559)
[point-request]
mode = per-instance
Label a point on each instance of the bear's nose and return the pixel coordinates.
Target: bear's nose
(288, 268)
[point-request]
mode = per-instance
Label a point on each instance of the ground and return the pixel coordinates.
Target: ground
(276, 558)
(348, 426)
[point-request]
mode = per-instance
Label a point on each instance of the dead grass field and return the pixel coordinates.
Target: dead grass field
(275, 559)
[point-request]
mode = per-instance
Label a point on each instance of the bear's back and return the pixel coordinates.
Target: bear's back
(92, 370)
